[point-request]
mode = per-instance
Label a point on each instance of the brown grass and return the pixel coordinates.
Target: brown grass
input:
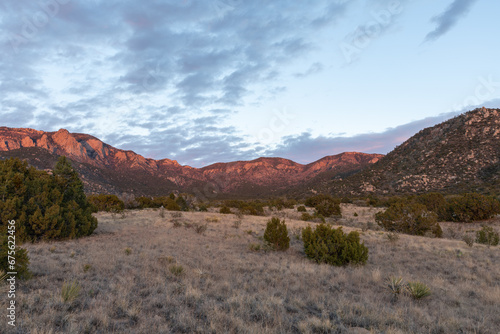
(227, 287)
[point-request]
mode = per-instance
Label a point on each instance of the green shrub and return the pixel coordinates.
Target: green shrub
(301, 209)
(487, 236)
(276, 234)
(172, 205)
(325, 205)
(255, 208)
(167, 202)
(181, 203)
(44, 206)
(108, 203)
(434, 202)
(372, 200)
(409, 218)
(21, 258)
(280, 203)
(306, 217)
(203, 208)
(470, 207)
(328, 245)
(225, 210)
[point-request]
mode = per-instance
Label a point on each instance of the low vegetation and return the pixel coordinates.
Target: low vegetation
(487, 236)
(107, 203)
(21, 262)
(470, 207)
(418, 290)
(332, 246)
(276, 234)
(325, 205)
(70, 291)
(465, 208)
(409, 218)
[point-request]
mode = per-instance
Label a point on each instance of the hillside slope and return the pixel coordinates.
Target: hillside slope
(461, 154)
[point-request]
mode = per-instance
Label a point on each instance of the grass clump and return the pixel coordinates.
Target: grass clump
(254, 247)
(418, 290)
(396, 286)
(128, 251)
(200, 228)
(176, 270)
(328, 245)
(301, 209)
(212, 219)
(469, 240)
(70, 291)
(276, 234)
(392, 237)
(487, 236)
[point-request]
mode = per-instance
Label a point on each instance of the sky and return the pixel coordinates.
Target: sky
(205, 81)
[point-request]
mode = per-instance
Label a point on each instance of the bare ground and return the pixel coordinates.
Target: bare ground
(129, 273)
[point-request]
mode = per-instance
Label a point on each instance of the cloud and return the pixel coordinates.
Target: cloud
(159, 77)
(313, 69)
(449, 18)
(305, 148)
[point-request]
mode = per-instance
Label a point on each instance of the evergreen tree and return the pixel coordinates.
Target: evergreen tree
(44, 206)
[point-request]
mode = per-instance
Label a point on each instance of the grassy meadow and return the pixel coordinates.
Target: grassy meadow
(154, 271)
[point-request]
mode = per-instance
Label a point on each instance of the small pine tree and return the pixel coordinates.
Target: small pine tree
(276, 234)
(21, 256)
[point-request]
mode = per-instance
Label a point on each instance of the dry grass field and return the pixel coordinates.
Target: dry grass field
(143, 273)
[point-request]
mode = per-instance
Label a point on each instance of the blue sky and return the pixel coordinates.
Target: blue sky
(223, 80)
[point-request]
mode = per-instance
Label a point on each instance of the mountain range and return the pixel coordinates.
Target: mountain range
(106, 169)
(461, 154)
